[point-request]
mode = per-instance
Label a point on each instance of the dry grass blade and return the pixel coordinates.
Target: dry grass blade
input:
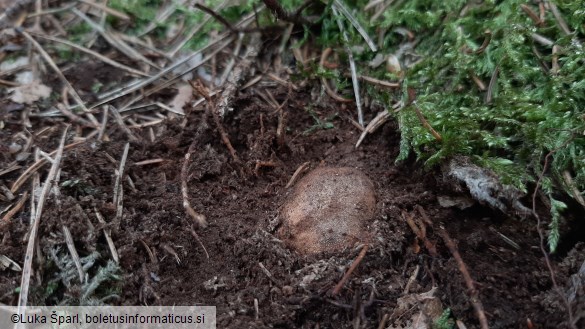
(354, 79)
(141, 84)
(106, 9)
(123, 126)
(376, 123)
(171, 53)
(108, 236)
(118, 188)
(35, 166)
(161, 16)
(92, 53)
(175, 78)
(74, 254)
(356, 25)
(27, 269)
(52, 64)
(117, 43)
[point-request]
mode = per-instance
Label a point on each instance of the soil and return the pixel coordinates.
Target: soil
(252, 277)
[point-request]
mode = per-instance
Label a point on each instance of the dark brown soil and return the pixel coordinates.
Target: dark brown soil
(163, 263)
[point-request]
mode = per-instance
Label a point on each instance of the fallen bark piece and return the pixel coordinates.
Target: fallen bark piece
(328, 210)
(485, 186)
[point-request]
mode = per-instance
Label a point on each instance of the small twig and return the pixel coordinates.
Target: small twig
(533, 16)
(218, 17)
(411, 280)
(328, 89)
(199, 219)
(32, 240)
(14, 210)
(102, 129)
(381, 118)
(201, 90)
(294, 177)
(560, 20)
(472, 291)
(379, 82)
(425, 123)
(352, 268)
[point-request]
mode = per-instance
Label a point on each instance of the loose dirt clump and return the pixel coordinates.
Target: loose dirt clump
(327, 210)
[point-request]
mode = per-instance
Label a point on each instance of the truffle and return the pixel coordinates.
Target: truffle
(328, 210)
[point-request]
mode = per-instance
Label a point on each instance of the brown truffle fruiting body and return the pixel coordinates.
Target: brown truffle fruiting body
(328, 210)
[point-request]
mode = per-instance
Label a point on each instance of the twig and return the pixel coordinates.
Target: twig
(425, 123)
(244, 22)
(328, 89)
(294, 177)
(473, 293)
(560, 20)
(381, 118)
(14, 210)
(30, 248)
(201, 90)
(411, 280)
(352, 268)
(199, 219)
(533, 16)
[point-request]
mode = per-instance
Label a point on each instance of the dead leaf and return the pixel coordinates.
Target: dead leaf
(30, 93)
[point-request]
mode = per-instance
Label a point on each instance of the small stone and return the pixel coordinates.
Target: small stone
(328, 210)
